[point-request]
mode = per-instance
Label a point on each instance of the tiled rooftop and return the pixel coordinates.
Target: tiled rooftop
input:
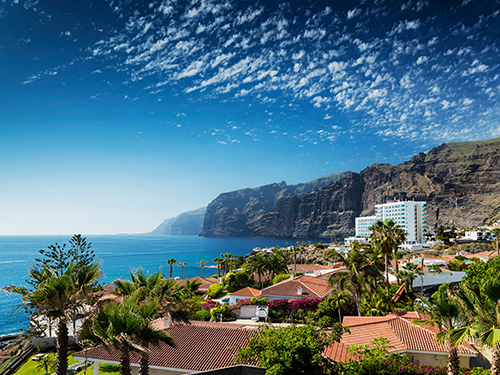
(398, 329)
(312, 287)
(199, 347)
(247, 292)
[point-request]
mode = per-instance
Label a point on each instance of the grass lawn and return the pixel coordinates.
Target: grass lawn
(36, 368)
(105, 369)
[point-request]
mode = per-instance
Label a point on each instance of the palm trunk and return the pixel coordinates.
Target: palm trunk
(397, 272)
(453, 361)
(144, 364)
(62, 348)
(125, 362)
(387, 272)
(495, 361)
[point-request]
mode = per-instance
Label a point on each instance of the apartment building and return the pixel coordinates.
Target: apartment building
(409, 215)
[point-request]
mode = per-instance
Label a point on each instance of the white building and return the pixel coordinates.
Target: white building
(409, 215)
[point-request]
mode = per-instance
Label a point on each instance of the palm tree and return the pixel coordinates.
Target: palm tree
(155, 286)
(447, 316)
(147, 335)
(339, 299)
(192, 286)
(258, 264)
(57, 296)
(201, 263)
(171, 262)
(496, 232)
(219, 262)
(397, 256)
(386, 236)
(125, 326)
(182, 264)
(277, 263)
(481, 305)
(353, 278)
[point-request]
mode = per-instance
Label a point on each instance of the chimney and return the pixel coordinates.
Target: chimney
(291, 276)
(299, 291)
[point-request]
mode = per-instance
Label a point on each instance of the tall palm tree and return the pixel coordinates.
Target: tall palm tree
(447, 316)
(258, 264)
(191, 287)
(481, 305)
(277, 263)
(125, 327)
(353, 278)
(386, 236)
(339, 299)
(147, 335)
(182, 264)
(154, 286)
(397, 256)
(219, 262)
(171, 262)
(496, 232)
(202, 263)
(57, 296)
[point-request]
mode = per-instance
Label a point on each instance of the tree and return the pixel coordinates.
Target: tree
(277, 263)
(157, 287)
(447, 316)
(125, 326)
(147, 335)
(353, 278)
(57, 297)
(219, 262)
(171, 262)
(46, 363)
(397, 256)
(386, 236)
(496, 233)
(191, 287)
(290, 350)
(202, 263)
(182, 264)
(57, 257)
(481, 305)
(258, 264)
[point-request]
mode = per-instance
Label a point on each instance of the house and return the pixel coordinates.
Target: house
(298, 287)
(199, 347)
(242, 294)
(415, 340)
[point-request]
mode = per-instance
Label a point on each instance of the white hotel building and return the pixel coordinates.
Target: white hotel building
(409, 215)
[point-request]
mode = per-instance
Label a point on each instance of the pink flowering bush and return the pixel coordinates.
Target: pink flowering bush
(306, 304)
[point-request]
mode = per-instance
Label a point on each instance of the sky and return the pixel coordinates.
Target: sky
(115, 115)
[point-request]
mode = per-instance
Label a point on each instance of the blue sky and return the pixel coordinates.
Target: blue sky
(115, 115)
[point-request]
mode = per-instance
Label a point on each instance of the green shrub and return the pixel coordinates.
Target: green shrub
(215, 290)
(203, 315)
(42, 347)
(279, 278)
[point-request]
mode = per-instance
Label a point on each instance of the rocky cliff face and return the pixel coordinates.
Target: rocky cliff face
(460, 182)
(186, 223)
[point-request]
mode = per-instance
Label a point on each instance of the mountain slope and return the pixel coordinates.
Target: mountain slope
(186, 223)
(460, 181)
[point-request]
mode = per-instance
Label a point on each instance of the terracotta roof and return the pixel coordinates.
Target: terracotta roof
(312, 287)
(303, 268)
(398, 329)
(198, 348)
(247, 292)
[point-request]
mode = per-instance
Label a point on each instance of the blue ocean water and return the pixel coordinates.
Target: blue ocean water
(117, 254)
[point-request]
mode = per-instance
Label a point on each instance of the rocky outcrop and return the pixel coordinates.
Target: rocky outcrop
(460, 182)
(186, 223)
(239, 213)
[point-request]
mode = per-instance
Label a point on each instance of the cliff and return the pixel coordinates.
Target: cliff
(186, 223)
(460, 182)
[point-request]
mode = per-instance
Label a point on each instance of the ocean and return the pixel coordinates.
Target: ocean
(118, 254)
